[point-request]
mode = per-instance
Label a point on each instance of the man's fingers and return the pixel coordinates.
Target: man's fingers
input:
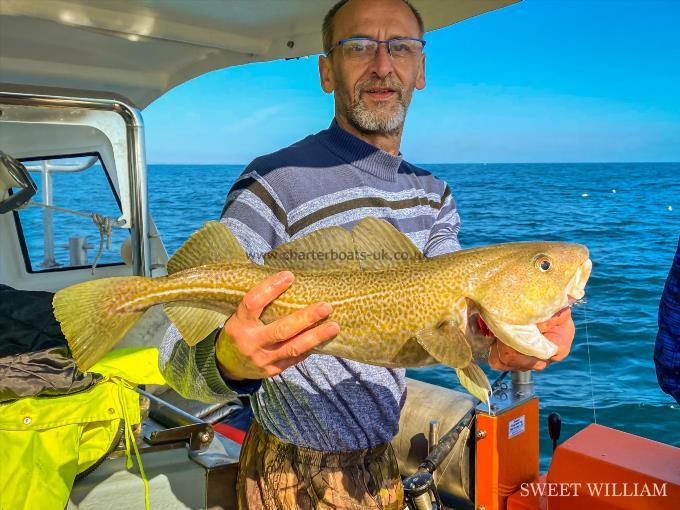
(502, 357)
(304, 342)
(560, 330)
(290, 325)
(262, 294)
(498, 365)
(495, 360)
(559, 318)
(562, 336)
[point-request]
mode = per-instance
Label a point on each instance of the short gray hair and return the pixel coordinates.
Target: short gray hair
(327, 26)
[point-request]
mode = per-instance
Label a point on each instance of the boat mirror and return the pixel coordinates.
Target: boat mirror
(13, 174)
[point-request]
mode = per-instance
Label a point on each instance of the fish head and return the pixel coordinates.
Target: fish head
(521, 284)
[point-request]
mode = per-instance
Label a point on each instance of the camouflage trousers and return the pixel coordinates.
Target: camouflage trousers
(274, 475)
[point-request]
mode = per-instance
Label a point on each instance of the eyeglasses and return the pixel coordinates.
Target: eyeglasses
(363, 49)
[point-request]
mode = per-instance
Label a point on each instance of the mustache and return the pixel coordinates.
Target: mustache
(385, 84)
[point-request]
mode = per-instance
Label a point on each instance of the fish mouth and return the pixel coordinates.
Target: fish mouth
(524, 338)
(577, 286)
(527, 338)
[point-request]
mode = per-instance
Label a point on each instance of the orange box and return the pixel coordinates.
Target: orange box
(527, 499)
(506, 453)
(615, 470)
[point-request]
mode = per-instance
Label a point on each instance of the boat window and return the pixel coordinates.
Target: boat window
(72, 221)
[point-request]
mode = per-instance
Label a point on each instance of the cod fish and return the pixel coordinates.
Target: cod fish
(395, 307)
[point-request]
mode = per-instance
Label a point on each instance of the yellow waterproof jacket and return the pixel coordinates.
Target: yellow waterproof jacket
(46, 441)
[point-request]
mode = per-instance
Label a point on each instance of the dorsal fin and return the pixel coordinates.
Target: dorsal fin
(372, 244)
(383, 245)
(324, 249)
(212, 243)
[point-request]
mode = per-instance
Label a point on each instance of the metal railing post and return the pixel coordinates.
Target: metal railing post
(48, 218)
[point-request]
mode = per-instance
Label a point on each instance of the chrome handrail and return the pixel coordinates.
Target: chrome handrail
(47, 165)
(139, 213)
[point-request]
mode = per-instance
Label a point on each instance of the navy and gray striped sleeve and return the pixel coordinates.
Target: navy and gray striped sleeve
(443, 236)
(255, 215)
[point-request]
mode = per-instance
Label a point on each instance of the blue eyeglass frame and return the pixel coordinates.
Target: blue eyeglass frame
(386, 42)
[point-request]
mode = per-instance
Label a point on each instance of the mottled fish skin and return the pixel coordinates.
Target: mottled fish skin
(380, 312)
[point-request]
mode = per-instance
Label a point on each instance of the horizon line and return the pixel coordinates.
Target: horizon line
(470, 163)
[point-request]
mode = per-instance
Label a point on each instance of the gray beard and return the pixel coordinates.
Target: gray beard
(377, 122)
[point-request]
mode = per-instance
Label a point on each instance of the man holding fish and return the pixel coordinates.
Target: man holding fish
(324, 423)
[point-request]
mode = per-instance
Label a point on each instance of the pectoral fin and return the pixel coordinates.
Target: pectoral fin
(475, 381)
(447, 344)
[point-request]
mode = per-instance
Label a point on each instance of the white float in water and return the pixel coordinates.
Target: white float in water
(585, 195)
(613, 191)
(670, 207)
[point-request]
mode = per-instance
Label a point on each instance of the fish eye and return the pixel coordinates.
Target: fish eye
(543, 263)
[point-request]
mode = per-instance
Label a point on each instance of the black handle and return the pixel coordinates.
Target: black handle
(554, 428)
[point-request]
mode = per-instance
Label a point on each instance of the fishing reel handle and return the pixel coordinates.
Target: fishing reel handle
(421, 492)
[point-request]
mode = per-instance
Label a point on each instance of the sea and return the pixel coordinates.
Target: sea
(627, 214)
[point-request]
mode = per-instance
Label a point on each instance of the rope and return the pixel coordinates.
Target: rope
(103, 223)
(130, 440)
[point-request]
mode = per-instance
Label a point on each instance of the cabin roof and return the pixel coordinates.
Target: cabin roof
(140, 50)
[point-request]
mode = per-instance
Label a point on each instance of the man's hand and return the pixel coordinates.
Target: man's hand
(559, 329)
(248, 349)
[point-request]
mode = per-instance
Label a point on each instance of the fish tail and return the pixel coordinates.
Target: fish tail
(93, 315)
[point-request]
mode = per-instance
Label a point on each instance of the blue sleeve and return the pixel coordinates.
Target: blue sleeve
(667, 349)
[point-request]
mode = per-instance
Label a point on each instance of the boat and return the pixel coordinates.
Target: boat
(75, 77)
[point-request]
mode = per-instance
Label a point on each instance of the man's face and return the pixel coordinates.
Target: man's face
(373, 95)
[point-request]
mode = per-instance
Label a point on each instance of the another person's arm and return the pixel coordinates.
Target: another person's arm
(667, 349)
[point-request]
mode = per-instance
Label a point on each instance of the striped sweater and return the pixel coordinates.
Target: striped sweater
(327, 179)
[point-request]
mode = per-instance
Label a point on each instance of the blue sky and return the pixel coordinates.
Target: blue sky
(539, 81)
